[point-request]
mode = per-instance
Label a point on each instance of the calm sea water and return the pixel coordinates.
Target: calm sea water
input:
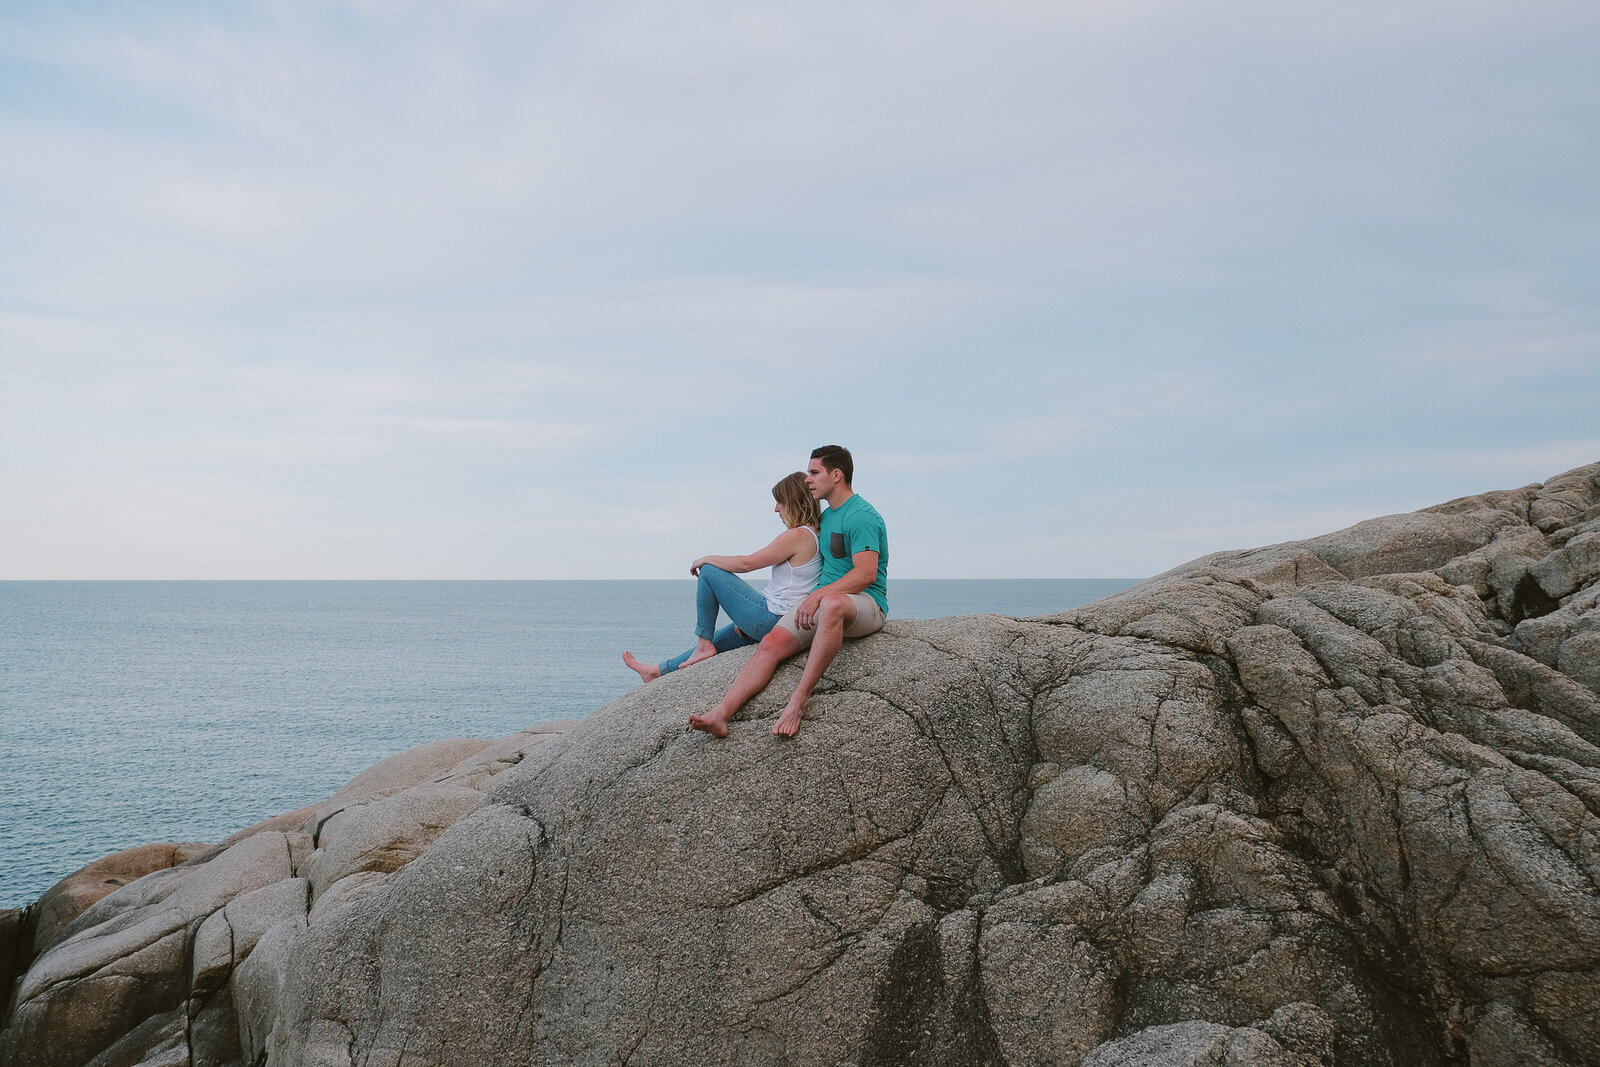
(133, 712)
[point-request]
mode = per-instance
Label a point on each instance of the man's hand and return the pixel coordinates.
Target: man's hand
(860, 575)
(805, 616)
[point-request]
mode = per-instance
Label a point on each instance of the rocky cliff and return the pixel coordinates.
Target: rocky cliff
(1329, 802)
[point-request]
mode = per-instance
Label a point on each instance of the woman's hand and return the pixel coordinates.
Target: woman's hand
(694, 568)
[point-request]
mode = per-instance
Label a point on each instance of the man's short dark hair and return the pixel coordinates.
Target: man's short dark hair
(836, 458)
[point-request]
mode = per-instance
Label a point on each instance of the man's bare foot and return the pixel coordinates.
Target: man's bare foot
(703, 649)
(647, 671)
(711, 723)
(788, 723)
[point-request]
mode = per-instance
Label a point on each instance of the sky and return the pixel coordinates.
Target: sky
(501, 290)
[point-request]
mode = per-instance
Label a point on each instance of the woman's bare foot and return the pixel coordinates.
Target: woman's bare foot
(711, 723)
(788, 723)
(647, 671)
(703, 649)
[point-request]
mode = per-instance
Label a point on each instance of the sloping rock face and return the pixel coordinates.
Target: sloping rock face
(1330, 802)
(174, 955)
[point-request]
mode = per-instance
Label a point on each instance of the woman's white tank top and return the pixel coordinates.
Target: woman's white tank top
(789, 585)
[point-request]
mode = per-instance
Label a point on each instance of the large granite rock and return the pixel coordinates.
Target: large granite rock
(169, 955)
(1329, 802)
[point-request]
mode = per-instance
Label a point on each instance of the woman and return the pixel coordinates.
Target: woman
(795, 560)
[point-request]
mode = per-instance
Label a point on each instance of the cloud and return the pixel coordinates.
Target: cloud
(363, 265)
(1516, 336)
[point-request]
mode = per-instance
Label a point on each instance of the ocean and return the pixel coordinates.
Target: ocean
(134, 712)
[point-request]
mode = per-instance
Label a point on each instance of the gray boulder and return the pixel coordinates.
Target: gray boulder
(1328, 802)
(182, 965)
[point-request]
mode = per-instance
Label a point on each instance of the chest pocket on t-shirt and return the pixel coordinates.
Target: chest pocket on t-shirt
(837, 546)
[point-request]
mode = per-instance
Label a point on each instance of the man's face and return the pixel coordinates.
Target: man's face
(819, 479)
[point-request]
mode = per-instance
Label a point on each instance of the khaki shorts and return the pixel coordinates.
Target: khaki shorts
(869, 620)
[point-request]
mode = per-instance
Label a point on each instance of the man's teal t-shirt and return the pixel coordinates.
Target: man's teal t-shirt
(855, 526)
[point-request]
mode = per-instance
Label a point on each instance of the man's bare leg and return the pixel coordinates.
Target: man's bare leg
(835, 615)
(648, 672)
(703, 649)
(776, 647)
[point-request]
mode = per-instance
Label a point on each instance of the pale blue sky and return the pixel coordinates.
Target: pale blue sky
(373, 290)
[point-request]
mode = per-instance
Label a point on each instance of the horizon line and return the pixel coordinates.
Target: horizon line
(908, 578)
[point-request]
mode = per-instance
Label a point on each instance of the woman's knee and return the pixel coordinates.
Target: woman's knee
(713, 578)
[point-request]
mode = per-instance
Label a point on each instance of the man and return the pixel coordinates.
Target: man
(851, 598)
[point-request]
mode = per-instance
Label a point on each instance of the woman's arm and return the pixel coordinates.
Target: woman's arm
(782, 547)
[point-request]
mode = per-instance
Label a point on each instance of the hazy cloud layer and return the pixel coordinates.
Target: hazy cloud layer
(533, 290)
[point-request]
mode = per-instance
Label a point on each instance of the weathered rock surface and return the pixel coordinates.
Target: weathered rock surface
(1329, 802)
(175, 954)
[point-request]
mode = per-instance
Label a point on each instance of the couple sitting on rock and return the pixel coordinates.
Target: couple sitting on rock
(829, 581)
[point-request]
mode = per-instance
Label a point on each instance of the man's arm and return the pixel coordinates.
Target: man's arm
(862, 573)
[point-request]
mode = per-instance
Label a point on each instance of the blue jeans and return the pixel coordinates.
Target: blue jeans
(743, 604)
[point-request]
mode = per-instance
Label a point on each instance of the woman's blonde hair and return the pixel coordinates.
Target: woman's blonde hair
(795, 502)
